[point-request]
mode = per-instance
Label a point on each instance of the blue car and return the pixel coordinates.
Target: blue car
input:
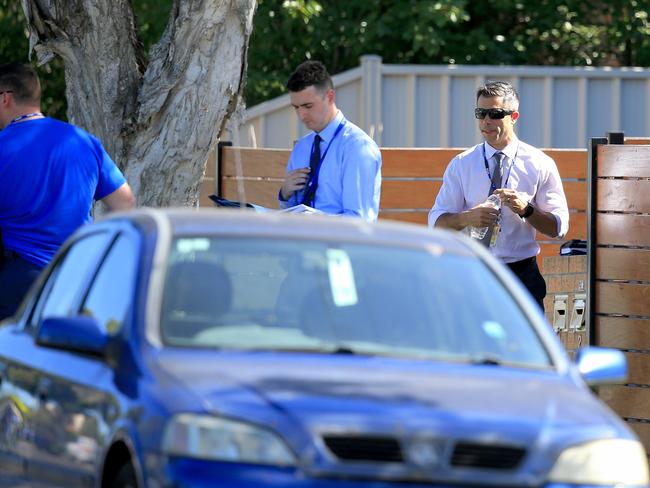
(217, 348)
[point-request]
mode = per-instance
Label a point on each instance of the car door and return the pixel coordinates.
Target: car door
(15, 408)
(19, 357)
(78, 394)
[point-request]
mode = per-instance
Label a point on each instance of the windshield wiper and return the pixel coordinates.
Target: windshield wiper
(343, 350)
(486, 359)
(324, 349)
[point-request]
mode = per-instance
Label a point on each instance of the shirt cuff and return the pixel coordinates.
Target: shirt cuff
(562, 227)
(433, 217)
(283, 203)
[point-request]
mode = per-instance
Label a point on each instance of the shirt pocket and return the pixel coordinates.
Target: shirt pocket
(525, 187)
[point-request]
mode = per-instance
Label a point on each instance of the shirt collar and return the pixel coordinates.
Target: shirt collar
(328, 132)
(510, 150)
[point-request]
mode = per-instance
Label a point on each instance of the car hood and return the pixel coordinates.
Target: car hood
(307, 397)
(315, 387)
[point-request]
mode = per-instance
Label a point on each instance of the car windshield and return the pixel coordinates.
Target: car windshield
(350, 298)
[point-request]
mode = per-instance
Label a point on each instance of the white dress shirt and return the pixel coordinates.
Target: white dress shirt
(526, 169)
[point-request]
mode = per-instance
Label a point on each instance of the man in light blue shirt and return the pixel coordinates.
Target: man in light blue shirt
(336, 168)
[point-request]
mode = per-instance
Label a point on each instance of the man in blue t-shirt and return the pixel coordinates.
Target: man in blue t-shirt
(50, 174)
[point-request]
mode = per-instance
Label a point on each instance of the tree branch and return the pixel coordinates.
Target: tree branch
(160, 125)
(191, 86)
(103, 60)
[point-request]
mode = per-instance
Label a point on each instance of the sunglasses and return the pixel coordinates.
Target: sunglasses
(494, 113)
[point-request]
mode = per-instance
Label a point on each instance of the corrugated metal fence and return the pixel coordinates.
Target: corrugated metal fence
(432, 106)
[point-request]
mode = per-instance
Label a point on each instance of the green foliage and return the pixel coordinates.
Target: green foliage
(152, 16)
(501, 32)
(13, 42)
(547, 32)
(338, 32)
(14, 47)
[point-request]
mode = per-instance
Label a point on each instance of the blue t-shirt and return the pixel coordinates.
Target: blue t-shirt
(50, 173)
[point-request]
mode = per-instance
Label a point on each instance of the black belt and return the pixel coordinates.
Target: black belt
(519, 265)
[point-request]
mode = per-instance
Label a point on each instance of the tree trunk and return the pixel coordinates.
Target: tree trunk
(159, 122)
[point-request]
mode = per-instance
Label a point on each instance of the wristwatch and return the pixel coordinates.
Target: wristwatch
(528, 211)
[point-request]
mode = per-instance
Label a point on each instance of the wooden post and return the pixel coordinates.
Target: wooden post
(592, 173)
(219, 172)
(371, 90)
(615, 138)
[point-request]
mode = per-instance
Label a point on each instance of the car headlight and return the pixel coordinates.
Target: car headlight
(216, 438)
(617, 462)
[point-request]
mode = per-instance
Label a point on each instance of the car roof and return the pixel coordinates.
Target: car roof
(187, 222)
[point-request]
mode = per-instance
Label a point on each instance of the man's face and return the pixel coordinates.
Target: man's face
(315, 108)
(497, 132)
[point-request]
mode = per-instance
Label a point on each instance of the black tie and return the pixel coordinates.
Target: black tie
(498, 170)
(315, 154)
(495, 183)
(314, 161)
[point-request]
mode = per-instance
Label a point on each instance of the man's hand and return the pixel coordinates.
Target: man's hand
(481, 216)
(511, 199)
(294, 181)
(544, 222)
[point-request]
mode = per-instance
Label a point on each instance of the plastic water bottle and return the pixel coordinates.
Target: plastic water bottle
(479, 232)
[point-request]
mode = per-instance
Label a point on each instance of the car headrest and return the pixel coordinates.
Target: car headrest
(196, 288)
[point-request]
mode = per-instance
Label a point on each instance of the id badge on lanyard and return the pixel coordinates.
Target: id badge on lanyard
(495, 233)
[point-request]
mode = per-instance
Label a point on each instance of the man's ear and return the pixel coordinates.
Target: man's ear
(514, 116)
(331, 96)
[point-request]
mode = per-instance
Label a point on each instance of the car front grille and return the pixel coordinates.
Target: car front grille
(469, 455)
(360, 448)
(365, 448)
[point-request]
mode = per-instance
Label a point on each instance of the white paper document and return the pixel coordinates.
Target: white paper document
(302, 208)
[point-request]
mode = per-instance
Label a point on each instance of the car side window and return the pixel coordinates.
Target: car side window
(69, 279)
(111, 293)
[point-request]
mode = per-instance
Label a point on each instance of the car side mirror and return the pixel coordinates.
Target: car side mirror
(78, 334)
(601, 366)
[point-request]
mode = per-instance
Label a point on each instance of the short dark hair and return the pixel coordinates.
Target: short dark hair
(310, 73)
(499, 89)
(22, 80)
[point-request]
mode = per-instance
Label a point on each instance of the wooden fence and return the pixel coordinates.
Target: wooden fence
(619, 271)
(411, 181)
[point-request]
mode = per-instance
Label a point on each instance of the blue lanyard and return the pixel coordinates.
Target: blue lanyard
(24, 116)
(314, 178)
(487, 170)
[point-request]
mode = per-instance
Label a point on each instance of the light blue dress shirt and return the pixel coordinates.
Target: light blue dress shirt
(349, 182)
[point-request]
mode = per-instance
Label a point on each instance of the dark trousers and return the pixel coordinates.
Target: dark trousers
(16, 276)
(529, 274)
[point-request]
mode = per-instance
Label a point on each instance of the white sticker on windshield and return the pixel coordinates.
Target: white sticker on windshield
(494, 330)
(194, 244)
(344, 290)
